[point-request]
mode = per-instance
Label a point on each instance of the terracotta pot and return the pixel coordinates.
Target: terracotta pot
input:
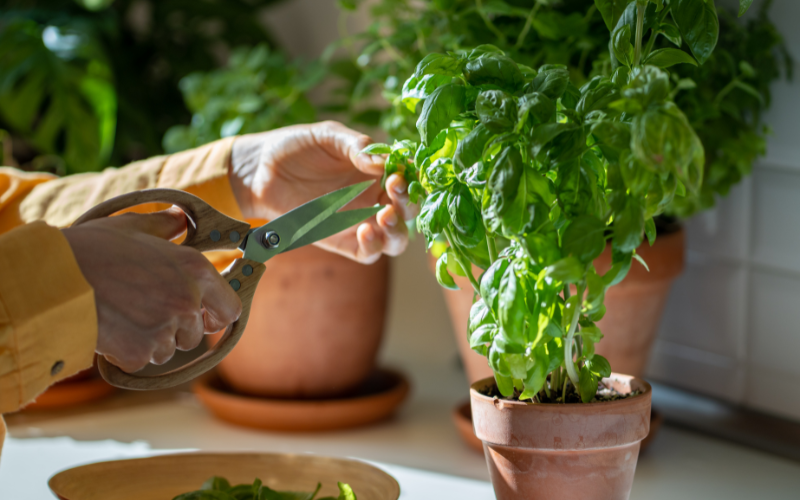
(315, 327)
(634, 306)
(562, 452)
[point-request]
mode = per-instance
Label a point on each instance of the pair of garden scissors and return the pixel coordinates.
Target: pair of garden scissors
(208, 229)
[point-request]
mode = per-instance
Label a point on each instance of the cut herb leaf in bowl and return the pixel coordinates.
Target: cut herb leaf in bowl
(219, 488)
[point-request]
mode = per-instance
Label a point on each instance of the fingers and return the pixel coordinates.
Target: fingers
(347, 144)
(167, 224)
(397, 189)
(221, 304)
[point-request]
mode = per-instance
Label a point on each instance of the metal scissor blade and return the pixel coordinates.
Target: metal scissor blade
(295, 224)
(336, 223)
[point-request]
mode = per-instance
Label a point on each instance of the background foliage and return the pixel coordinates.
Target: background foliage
(88, 83)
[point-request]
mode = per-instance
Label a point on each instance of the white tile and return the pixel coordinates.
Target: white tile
(772, 391)
(706, 307)
(722, 231)
(776, 219)
(774, 339)
(698, 371)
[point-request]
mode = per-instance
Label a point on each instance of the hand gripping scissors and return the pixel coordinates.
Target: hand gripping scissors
(208, 229)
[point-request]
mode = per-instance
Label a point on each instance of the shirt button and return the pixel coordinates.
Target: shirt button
(57, 367)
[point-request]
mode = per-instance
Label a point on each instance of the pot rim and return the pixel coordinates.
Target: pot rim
(642, 384)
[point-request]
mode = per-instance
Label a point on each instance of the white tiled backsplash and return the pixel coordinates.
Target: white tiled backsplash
(732, 324)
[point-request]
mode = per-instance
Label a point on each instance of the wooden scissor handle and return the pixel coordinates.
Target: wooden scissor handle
(207, 229)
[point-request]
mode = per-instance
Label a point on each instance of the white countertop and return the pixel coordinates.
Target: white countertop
(679, 464)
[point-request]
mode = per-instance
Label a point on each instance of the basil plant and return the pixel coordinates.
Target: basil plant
(528, 177)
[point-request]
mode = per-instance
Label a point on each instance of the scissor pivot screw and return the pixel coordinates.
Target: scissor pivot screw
(247, 270)
(235, 284)
(215, 235)
(271, 239)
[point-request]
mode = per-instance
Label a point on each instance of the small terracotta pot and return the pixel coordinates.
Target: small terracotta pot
(634, 306)
(562, 451)
(315, 327)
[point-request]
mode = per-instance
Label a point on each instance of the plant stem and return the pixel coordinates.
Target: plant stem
(527, 27)
(466, 265)
(637, 55)
(547, 389)
(568, 361)
(650, 43)
(489, 24)
(725, 91)
(564, 391)
(492, 248)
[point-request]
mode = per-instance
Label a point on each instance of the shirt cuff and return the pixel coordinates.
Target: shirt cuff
(48, 319)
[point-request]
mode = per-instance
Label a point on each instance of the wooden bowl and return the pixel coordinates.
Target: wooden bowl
(377, 399)
(164, 477)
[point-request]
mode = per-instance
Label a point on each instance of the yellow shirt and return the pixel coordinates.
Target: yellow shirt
(48, 322)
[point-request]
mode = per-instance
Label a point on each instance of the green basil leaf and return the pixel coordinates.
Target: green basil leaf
(415, 89)
(588, 385)
(650, 231)
(599, 366)
(597, 98)
(566, 270)
(551, 81)
(504, 384)
(443, 105)
(621, 44)
(470, 149)
(511, 306)
(494, 69)
(743, 6)
(442, 275)
(483, 335)
(542, 248)
(672, 33)
(596, 289)
(538, 106)
(592, 333)
(629, 225)
(544, 134)
(554, 25)
(611, 10)
(433, 215)
(415, 191)
(216, 483)
(466, 217)
(439, 174)
(698, 24)
(482, 50)
(648, 85)
(439, 64)
(504, 180)
(664, 58)
(613, 138)
(537, 375)
(584, 238)
(376, 149)
(496, 110)
(479, 315)
(490, 283)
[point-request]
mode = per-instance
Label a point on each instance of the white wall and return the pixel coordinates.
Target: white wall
(732, 325)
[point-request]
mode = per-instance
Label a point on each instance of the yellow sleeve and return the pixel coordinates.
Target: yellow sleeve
(47, 311)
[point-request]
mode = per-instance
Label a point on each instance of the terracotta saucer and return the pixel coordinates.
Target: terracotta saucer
(72, 392)
(462, 418)
(166, 476)
(376, 400)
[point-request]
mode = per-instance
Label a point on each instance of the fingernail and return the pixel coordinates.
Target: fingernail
(391, 219)
(400, 187)
(377, 159)
(369, 234)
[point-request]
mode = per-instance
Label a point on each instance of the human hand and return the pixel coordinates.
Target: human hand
(274, 172)
(152, 296)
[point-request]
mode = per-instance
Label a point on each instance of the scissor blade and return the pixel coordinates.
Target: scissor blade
(294, 224)
(336, 223)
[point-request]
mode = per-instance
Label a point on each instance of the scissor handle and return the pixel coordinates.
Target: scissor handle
(207, 229)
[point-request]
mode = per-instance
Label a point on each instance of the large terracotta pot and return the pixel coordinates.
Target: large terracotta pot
(633, 308)
(562, 451)
(315, 327)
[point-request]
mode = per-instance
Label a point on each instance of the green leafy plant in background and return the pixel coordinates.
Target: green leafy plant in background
(719, 97)
(85, 84)
(527, 175)
(258, 90)
(218, 488)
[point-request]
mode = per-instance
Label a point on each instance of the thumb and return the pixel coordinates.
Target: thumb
(167, 224)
